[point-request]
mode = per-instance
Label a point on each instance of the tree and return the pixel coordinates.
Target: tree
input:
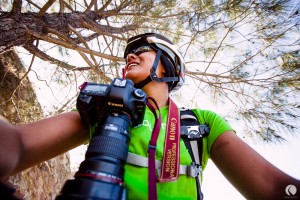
(242, 55)
(239, 53)
(19, 105)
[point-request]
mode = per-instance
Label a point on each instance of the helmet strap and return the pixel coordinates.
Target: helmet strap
(153, 75)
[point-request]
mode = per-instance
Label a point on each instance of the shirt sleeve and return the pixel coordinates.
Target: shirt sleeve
(216, 123)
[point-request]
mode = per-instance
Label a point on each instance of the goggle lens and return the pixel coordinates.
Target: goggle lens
(140, 50)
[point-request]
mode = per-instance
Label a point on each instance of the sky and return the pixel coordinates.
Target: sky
(284, 156)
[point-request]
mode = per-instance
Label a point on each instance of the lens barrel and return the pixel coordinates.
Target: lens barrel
(101, 174)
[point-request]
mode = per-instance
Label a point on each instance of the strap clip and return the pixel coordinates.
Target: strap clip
(194, 170)
(194, 132)
(151, 147)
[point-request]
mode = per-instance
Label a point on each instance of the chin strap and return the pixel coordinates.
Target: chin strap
(152, 75)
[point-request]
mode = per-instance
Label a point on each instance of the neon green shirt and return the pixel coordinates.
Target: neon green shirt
(136, 178)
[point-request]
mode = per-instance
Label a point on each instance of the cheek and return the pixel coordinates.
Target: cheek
(142, 71)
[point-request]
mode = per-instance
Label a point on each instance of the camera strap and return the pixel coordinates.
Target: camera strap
(152, 192)
(170, 163)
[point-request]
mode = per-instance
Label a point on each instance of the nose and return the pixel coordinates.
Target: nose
(130, 57)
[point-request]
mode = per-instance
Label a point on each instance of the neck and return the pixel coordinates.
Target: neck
(159, 92)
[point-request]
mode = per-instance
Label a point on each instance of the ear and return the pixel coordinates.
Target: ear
(162, 68)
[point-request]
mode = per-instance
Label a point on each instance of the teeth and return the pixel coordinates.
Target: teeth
(133, 64)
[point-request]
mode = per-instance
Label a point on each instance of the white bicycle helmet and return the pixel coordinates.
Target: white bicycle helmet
(167, 52)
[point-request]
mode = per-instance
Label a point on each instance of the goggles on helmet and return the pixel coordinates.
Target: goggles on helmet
(139, 50)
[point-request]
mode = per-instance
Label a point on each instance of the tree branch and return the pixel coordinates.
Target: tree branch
(45, 8)
(74, 46)
(17, 6)
(35, 51)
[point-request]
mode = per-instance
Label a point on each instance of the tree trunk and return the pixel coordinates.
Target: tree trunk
(18, 104)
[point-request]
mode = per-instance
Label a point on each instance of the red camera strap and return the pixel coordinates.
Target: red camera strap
(170, 165)
(170, 162)
(152, 193)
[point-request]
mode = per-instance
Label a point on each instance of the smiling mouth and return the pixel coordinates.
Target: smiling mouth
(131, 65)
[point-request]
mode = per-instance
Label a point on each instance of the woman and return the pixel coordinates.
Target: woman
(153, 64)
(251, 174)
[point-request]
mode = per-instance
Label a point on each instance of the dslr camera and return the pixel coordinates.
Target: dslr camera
(111, 110)
(97, 100)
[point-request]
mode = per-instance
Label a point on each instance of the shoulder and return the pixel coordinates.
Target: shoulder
(217, 124)
(207, 116)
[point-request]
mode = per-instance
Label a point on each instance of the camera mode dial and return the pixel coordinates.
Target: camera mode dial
(139, 93)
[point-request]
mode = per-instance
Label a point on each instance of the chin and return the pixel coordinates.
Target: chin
(130, 78)
(133, 78)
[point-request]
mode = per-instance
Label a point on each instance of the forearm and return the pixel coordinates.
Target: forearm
(250, 173)
(50, 137)
(10, 148)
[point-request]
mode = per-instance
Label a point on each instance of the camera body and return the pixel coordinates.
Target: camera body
(112, 110)
(96, 100)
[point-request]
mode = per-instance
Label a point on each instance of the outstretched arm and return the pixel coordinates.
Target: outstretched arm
(27, 145)
(252, 175)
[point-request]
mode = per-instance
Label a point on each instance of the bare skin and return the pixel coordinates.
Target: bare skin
(27, 145)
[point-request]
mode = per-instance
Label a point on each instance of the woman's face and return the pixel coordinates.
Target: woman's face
(138, 66)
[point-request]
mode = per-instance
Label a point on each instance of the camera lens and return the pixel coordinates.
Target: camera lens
(101, 173)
